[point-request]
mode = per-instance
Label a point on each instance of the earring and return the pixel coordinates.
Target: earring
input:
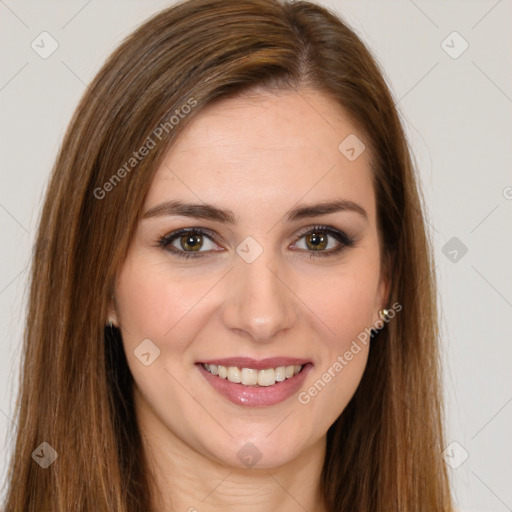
(383, 313)
(110, 323)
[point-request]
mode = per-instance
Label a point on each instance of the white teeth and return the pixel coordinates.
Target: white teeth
(266, 377)
(249, 376)
(252, 377)
(234, 374)
(280, 373)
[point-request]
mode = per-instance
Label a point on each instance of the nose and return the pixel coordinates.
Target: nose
(259, 302)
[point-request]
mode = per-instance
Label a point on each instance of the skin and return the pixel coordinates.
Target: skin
(259, 156)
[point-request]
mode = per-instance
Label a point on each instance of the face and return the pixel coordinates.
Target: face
(260, 280)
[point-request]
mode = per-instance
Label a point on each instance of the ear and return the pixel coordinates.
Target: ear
(111, 312)
(384, 287)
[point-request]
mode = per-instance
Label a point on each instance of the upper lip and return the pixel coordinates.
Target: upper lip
(257, 364)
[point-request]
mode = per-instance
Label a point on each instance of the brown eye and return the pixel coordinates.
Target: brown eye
(323, 241)
(191, 242)
(316, 241)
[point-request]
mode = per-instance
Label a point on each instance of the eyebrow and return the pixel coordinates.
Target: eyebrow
(210, 212)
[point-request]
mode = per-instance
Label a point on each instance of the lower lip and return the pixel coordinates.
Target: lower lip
(252, 396)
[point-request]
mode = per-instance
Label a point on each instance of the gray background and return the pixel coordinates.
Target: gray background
(457, 112)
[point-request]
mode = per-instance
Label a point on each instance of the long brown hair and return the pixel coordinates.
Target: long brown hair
(384, 451)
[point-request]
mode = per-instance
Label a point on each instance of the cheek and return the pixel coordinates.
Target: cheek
(344, 301)
(150, 302)
(343, 305)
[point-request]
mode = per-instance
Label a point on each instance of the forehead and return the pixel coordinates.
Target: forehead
(270, 150)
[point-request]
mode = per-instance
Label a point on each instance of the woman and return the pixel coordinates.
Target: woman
(232, 300)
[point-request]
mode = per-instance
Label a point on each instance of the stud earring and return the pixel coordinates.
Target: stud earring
(383, 313)
(384, 316)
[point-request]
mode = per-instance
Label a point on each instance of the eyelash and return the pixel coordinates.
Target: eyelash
(344, 241)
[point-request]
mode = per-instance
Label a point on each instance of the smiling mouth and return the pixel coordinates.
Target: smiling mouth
(253, 377)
